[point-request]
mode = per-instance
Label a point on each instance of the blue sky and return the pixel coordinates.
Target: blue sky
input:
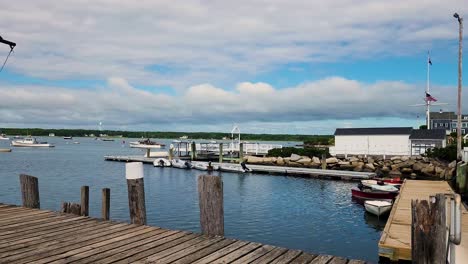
(272, 67)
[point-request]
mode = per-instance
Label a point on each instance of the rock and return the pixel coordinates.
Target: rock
(353, 159)
(370, 160)
(370, 166)
(358, 168)
(439, 170)
(395, 158)
(452, 164)
(280, 161)
(394, 173)
(406, 170)
(331, 160)
(428, 170)
(286, 160)
(413, 176)
(396, 161)
(449, 173)
(295, 157)
(404, 158)
(315, 160)
(344, 163)
(385, 169)
(418, 166)
(304, 160)
(269, 160)
(253, 159)
(347, 167)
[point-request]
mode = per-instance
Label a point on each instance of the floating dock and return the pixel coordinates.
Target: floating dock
(40, 236)
(337, 174)
(395, 242)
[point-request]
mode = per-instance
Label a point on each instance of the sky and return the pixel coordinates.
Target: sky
(295, 67)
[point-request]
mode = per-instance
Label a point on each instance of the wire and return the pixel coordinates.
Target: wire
(6, 59)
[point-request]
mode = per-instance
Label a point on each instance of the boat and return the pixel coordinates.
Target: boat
(377, 207)
(108, 139)
(162, 162)
(181, 164)
(30, 142)
(369, 194)
(146, 144)
(4, 137)
(204, 166)
(183, 137)
(391, 182)
(379, 186)
(5, 150)
(232, 168)
(67, 137)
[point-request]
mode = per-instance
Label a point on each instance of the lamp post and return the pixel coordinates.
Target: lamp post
(460, 48)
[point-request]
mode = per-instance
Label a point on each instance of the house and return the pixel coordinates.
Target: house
(448, 122)
(387, 141)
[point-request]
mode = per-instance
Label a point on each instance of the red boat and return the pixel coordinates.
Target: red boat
(366, 193)
(395, 181)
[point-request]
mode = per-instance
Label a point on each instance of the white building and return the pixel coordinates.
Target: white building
(391, 141)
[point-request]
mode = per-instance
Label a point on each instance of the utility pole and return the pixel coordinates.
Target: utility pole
(460, 49)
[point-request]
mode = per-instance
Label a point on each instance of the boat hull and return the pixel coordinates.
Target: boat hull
(232, 169)
(378, 209)
(373, 195)
(146, 146)
(39, 145)
(161, 162)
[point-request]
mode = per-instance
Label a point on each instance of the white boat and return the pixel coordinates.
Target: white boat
(232, 168)
(374, 185)
(204, 166)
(146, 144)
(30, 142)
(162, 162)
(181, 164)
(67, 137)
(378, 207)
(183, 137)
(4, 137)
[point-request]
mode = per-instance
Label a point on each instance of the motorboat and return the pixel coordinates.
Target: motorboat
(67, 137)
(204, 166)
(162, 162)
(30, 142)
(233, 168)
(378, 207)
(4, 137)
(379, 186)
(146, 144)
(370, 194)
(181, 164)
(108, 139)
(389, 181)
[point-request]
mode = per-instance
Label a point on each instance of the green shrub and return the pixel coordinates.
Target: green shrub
(286, 152)
(449, 153)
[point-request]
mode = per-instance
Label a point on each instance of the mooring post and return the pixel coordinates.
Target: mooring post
(210, 194)
(148, 153)
(105, 203)
(193, 151)
(241, 152)
(30, 191)
(220, 152)
(84, 200)
(136, 192)
(461, 177)
(324, 162)
(171, 153)
(428, 231)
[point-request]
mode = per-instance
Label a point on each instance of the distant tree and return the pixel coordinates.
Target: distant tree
(423, 127)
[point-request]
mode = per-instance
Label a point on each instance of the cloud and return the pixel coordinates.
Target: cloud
(119, 104)
(212, 41)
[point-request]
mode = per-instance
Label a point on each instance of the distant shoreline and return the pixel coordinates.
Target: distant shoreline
(160, 134)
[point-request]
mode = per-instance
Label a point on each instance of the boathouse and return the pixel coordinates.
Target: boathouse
(386, 141)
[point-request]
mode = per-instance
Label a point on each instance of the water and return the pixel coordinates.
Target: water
(314, 215)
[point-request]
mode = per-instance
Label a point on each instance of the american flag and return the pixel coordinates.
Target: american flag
(430, 98)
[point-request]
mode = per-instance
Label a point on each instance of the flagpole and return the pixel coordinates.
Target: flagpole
(428, 103)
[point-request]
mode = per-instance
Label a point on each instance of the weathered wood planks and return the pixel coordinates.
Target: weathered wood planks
(39, 236)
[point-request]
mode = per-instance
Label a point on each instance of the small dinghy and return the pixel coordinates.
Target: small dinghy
(162, 162)
(181, 164)
(204, 166)
(377, 207)
(233, 168)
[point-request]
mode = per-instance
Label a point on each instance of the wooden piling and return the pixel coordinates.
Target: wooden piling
(210, 193)
(324, 162)
(428, 231)
(148, 153)
(71, 208)
(193, 151)
(105, 204)
(220, 152)
(241, 152)
(136, 192)
(30, 191)
(84, 200)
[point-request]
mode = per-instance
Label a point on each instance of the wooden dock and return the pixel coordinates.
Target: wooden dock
(337, 174)
(41, 236)
(395, 242)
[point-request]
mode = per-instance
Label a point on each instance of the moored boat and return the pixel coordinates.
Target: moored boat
(162, 162)
(379, 186)
(67, 137)
(204, 166)
(181, 164)
(378, 207)
(232, 168)
(369, 194)
(30, 142)
(146, 144)
(4, 137)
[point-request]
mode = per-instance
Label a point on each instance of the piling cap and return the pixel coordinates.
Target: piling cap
(134, 170)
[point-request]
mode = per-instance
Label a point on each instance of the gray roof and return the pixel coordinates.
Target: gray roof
(428, 134)
(443, 115)
(373, 131)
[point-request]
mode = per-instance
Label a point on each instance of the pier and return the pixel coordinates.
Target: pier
(395, 242)
(296, 171)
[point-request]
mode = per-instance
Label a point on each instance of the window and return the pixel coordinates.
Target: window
(454, 130)
(441, 124)
(446, 124)
(435, 124)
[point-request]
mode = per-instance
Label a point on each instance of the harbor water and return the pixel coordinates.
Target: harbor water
(314, 215)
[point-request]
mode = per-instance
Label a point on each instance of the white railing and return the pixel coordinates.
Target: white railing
(248, 148)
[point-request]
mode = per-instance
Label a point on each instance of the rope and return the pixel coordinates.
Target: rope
(8, 56)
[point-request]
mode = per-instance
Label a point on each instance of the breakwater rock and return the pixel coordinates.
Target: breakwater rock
(396, 166)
